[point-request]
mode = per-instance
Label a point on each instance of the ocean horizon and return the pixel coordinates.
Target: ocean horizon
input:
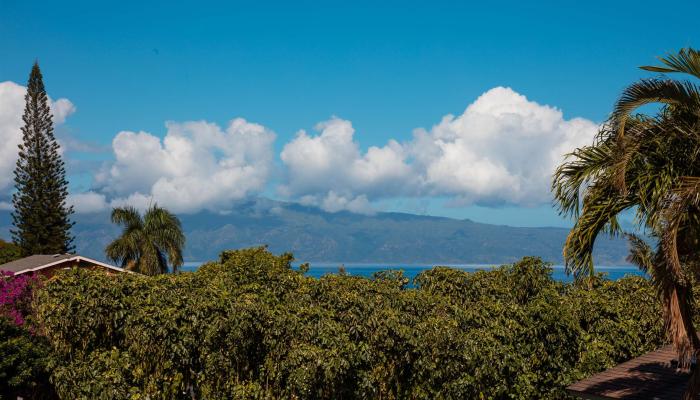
(318, 269)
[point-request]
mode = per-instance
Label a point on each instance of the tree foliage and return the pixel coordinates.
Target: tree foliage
(147, 244)
(9, 252)
(649, 164)
(23, 360)
(252, 327)
(41, 216)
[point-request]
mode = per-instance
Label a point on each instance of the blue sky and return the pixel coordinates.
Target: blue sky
(389, 69)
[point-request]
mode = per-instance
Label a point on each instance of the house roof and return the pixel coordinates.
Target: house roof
(654, 375)
(41, 261)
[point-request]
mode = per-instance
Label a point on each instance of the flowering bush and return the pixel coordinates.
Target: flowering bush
(16, 295)
(23, 355)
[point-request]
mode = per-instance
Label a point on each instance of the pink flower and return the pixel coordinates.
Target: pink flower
(16, 295)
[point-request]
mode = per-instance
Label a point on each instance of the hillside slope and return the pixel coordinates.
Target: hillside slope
(315, 235)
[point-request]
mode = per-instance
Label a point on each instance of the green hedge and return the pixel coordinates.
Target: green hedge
(251, 327)
(23, 360)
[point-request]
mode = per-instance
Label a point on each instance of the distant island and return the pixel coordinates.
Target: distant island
(315, 235)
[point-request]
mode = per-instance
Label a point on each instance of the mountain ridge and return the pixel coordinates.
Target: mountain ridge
(318, 236)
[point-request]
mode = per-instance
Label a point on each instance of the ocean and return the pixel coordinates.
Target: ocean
(410, 271)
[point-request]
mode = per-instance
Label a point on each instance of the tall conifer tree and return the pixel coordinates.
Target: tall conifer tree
(41, 216)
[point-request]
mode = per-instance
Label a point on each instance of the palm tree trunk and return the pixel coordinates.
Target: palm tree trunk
(693, 389)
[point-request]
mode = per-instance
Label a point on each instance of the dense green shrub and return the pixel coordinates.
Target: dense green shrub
(9, 252)
(23, 359)
(251, 327)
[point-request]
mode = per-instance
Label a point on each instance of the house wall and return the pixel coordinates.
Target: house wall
(53, 270)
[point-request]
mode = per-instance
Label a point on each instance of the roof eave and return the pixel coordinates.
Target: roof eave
(75, 258)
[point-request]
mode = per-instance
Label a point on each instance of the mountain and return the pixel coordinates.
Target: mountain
(315, 235)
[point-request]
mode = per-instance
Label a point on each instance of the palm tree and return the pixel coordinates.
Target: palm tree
(147, 245)
(648, 165)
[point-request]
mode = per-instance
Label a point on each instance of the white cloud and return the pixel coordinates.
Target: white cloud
(196, 166)
(501, 150)
(61, 109)
(334, 203)
(136, 200)
(87, 202)
(328, 170)
(11, 109)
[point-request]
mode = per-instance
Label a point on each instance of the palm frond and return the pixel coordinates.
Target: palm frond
(649, 163)
(641, 254)
(571, 178)
(686, 61)
(149, 244)
(126, 216)
(625, 149)
(599, 214)
(685, 195)
(123, 250)
(149, 263)
(647, 91)
(166, 232)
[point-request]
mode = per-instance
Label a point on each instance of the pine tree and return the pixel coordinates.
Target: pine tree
(41, 216)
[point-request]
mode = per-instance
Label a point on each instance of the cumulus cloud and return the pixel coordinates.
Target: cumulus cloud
(330, 171)
(501, 150)
(334, 203)
(11, 109)
(87, 202)
(198, 165)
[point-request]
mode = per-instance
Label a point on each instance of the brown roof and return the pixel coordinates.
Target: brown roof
(34, 261)
(40, 261)
(652, 376)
